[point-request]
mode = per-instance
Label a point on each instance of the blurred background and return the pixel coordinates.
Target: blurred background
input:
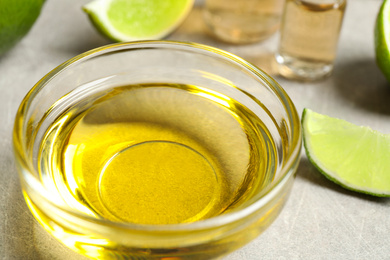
(320, 220)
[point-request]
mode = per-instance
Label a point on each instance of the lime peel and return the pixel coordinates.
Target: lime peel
(131, 20)
(382, 39)
(355, 157)
(16, 19)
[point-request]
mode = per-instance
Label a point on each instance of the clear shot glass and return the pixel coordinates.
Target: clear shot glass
(308, 38)
(243, 21)
(187, 88)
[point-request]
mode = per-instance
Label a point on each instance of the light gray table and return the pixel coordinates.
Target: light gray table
(320, 220)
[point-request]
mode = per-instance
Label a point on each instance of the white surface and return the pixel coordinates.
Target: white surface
(320, 220)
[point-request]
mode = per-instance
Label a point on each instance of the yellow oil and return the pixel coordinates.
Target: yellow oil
(156, 154)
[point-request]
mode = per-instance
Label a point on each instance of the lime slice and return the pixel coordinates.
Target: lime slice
(356, 157)
(130, 20)
(16, 19)
(382, 39)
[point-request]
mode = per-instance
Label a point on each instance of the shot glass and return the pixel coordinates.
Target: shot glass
(243, 21)
(308, 38)
(156, 150)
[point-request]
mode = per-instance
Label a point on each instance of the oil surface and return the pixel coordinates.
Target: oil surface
(155, 154)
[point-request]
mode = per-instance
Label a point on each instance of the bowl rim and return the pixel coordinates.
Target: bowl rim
(287, 169)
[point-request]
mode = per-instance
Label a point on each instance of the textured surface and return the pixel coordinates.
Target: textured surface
(320, 220)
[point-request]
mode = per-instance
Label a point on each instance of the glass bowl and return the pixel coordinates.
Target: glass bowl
(156, 150)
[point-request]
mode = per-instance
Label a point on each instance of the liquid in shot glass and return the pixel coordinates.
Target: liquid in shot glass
(309, 35)
(243, 21)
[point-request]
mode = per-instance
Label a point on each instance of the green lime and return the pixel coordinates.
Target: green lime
(356, 157)
(382, 39)
(130, 20)
(16, 19)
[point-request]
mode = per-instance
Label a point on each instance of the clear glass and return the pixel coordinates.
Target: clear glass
(220, 77)
(309, 35)
(243, 21)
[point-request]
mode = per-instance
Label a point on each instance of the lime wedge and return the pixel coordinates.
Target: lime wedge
(355, 157)
(130, 20)
(382, 39)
